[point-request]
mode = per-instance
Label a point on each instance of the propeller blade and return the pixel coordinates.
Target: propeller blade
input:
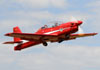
(73, 19)
(80, 30)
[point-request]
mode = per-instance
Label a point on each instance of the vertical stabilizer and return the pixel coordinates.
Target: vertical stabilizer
(16, 30)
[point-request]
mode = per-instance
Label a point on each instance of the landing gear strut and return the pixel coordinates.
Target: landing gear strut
(67, 36)
(61, 40)
(45, 44)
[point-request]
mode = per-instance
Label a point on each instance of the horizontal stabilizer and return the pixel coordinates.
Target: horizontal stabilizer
(12, 42)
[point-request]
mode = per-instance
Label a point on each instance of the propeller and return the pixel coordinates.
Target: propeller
(80, 30)
(73, 19)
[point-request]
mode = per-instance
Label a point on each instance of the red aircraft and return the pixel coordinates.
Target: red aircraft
(56, 33)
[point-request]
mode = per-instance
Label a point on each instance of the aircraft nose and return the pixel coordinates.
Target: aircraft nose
(79, 22)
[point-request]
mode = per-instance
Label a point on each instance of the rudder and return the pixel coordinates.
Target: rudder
(16, 30)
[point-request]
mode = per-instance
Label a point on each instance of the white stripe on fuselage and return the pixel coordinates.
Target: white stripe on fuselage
(52, 32)
(61, 29)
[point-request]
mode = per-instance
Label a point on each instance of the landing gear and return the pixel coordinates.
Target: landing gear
(45, 44)
(61, 40)
(67, 36)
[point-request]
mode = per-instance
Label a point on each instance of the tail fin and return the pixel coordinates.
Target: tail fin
(16, 40)
(16, 30)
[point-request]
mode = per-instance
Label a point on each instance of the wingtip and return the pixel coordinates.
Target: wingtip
(4, 43)
(95, 33)
(7, 34)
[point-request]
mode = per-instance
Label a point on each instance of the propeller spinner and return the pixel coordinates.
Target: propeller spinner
(79, 22)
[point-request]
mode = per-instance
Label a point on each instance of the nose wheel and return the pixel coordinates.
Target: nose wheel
(45, 44)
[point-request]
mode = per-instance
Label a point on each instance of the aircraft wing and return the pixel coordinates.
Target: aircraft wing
(40, 37)
(82, 35)
(31, 37)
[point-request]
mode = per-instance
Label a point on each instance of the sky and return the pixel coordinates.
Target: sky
(30, 15)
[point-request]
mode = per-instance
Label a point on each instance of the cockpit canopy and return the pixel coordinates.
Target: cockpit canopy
(51, 25)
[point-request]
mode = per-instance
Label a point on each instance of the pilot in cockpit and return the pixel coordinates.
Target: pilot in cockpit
(45, 26)
(56, 24)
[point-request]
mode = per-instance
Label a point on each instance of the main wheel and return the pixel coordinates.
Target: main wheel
(61, 40)
(45, 44)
